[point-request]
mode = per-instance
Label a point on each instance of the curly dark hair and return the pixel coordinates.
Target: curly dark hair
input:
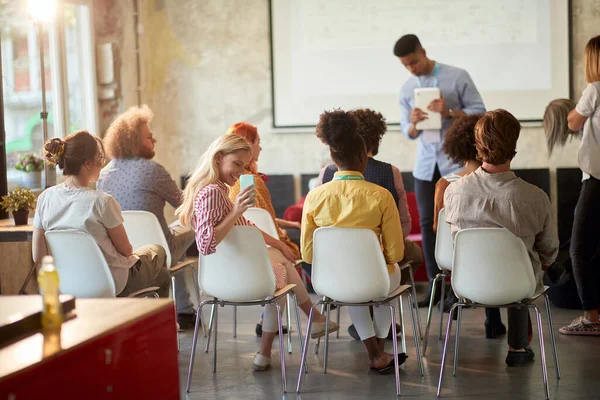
(338, 129)
(371, 127)
(459, 140)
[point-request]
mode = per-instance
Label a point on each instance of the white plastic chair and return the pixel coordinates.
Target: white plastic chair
(263, 221)
(82, 267)
(444, 248)
(143, 229)
(492, 268)
(349, 270)
(239, 273)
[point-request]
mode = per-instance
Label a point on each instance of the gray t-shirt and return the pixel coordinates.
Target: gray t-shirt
(140, 184)
(88, 210)
(589, 149)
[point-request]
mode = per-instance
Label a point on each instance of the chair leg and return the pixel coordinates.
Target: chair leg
(442, 301)
(319, 339)
(210, 326)
(305, 349)
(234, 322)
(215, 329)
(414, 293)
(444, 352)
(198, 295)
(337, 334)
(412, 303)
(193, 353)
(326, 347)
(402, 324)
(289, 324)
(429, 313)
(175, 305)
(459, 312)
(281, 347)
(552, 340)
(298, 325)
(542, 349)
(395, 344)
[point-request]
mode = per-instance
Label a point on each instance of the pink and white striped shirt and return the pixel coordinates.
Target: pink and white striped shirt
(210, 208)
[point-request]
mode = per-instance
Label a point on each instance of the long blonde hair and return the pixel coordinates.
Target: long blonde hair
(592, 60)
(555, 123)
(207, 172)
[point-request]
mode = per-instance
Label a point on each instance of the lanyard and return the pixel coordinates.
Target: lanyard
(348, 178)
(436, 72)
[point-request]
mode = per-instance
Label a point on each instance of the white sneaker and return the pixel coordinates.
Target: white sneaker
(261, 362)
(318, 329)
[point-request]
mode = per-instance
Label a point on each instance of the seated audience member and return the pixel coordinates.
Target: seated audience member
(72, 205)
(352, 202)
(371, 128)
(556, 125)
(207, 209)
(492, 196)
(459, 145)
(263, 197)
(139, 183)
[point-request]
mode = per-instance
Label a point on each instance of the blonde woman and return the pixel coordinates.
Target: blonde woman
(206, 208)
(585, 237)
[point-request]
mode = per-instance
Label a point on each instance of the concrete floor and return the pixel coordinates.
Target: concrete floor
(482, 372)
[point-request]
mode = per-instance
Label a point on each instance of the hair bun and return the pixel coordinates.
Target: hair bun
(55, 152)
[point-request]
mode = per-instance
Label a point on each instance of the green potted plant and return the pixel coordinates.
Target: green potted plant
(31, 168)
(19, 202)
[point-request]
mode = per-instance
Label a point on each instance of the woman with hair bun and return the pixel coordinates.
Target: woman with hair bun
(73, 205)
(350, 201)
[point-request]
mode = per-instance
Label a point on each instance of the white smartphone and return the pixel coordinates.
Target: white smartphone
(424, 97)
(245, 181)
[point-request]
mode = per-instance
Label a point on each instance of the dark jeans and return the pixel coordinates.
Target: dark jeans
(424, 194)
(585, 241)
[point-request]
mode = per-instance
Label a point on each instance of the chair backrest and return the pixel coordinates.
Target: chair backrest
(81, 266)
(348, 265)
(240, 269)
(444, 246)
(263, 221)
(491, 266)
(143, 228)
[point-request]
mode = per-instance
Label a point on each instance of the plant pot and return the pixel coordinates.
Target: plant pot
(21, 216)
(32, 180)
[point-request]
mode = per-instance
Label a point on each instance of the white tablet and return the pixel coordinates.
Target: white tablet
(423, 97)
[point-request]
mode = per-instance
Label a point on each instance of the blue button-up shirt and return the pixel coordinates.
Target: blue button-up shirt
(459, 92)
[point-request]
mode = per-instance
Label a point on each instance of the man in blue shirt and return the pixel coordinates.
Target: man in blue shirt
(459, 96)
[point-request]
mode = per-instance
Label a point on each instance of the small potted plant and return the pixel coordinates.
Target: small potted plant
(31, 168)
(19, 202)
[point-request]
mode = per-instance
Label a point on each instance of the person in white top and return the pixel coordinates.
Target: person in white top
(585, 237)
(72, 205)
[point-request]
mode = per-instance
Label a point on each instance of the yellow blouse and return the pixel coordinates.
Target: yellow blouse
(263, 200)
(353, 204)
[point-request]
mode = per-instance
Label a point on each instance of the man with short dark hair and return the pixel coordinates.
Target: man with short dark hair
(493, 196)
(459, 96)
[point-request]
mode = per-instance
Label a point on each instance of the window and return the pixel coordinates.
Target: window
(69, 81)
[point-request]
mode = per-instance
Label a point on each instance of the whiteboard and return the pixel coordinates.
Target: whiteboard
(339, 53)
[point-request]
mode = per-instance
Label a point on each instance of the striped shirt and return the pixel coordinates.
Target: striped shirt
(210, 208)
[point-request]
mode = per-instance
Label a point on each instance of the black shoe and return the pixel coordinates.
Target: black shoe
(450, 300)
(519, 358)
(353, 333)
(186, 321)
(390, 367)
(258, 330)
(424, 302)
(492, 331)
